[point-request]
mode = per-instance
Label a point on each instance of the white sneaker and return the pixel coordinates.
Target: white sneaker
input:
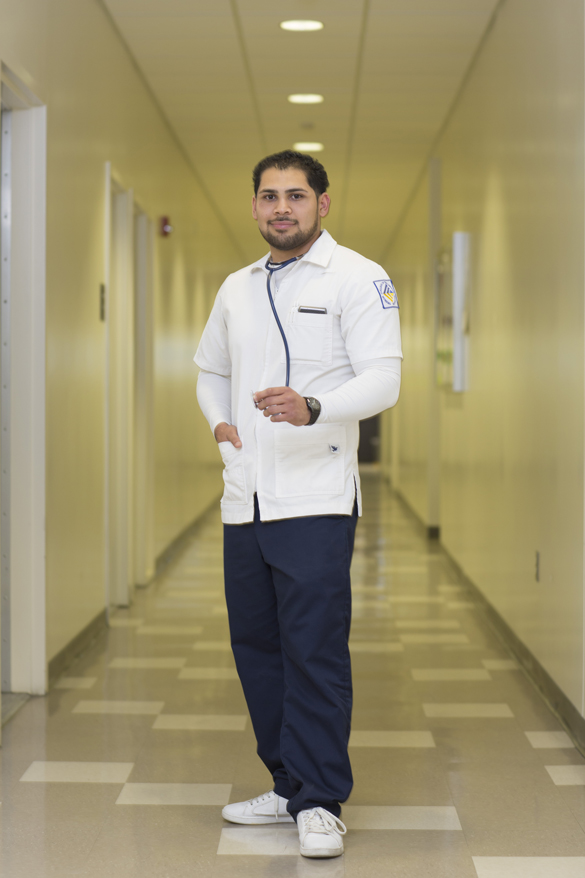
(268, 808)
(320, 833)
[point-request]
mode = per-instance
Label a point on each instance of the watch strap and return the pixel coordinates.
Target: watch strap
(315, 409)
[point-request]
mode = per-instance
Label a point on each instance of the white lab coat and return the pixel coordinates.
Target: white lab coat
(296, 471)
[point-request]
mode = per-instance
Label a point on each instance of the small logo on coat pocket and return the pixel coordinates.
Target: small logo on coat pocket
(334, 449)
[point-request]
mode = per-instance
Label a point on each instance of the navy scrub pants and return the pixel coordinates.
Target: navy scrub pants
(289, 603)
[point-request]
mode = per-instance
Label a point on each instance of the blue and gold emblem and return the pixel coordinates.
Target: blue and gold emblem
(387, 293)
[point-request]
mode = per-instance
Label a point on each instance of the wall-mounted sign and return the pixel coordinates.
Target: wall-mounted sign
(452, 342)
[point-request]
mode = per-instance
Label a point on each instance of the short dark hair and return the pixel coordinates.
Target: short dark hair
(314, 171)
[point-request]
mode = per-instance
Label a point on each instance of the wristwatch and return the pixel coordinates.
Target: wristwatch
(314, 407)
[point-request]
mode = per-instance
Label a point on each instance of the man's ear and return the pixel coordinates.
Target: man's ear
(254, 214)
(324, 204)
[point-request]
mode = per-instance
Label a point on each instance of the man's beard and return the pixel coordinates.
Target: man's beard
(292, 242)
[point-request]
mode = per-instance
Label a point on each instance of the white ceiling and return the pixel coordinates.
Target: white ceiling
(389, 70)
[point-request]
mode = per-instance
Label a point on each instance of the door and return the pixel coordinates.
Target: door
(119, 420)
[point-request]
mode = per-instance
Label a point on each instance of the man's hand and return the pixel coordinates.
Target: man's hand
(227, 433)
(283, 404)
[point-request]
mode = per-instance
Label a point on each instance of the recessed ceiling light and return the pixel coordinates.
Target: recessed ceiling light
(301, 25)
(308, 147)
(305, 99)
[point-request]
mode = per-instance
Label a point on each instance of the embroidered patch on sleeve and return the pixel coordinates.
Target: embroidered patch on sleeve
(387, 293)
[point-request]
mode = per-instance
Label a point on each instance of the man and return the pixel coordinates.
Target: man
(329, 317)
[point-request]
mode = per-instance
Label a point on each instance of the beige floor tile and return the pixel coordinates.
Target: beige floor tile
(266, 841)
(121, 622)
(391, 739)
(529, 867)
(550, 740)
(463, 711)
(513, 798)
(172, 630)
(396, 817)
(174, 794)
(359, 646)
(75, 683)
(500, 665)
(408, 854)
(567, 775)
(147, 664)
(78, 772)
(428, 624)
(130, 708)
(425, 639)
(213, 646)
(208, 674)
(449, 674)
(200, 722)
(544, 842)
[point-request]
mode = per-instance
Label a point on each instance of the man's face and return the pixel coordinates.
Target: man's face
(287, 210)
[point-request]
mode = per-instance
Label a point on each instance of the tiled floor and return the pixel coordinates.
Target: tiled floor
(460, 769)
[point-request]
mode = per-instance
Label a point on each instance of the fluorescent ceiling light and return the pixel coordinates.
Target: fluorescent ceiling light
(308, 147)
(305, 99)
(301, 25)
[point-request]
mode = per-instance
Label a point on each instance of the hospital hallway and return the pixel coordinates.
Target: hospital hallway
(461, 770)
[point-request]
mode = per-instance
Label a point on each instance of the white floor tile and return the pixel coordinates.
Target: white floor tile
(470, 711)
(529, 867)
(147, 664)
(447, 674)
(428, 624)
(550, 740)
(258, 841)
(169, 629)
(200, 722)
(213, 646)
(175, 794)
(420, 639)
(567, 775)
(372, 646)
(400, 817)
(208, 674)
(129, 708)
(77, 772)
(500, 665)
(75, 682)
(125, 623)
(391, 739)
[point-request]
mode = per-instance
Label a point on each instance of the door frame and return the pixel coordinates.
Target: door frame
(23, 304)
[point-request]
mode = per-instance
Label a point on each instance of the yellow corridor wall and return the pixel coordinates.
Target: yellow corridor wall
(512, 445)
(68, 53)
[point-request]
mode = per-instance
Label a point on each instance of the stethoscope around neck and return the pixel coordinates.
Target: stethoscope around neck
(271, 267)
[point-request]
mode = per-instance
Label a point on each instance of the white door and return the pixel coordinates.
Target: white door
(119, 505)
(144, 400)
(22, 389)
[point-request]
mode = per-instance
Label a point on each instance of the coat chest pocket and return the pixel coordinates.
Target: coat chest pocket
(309, 337)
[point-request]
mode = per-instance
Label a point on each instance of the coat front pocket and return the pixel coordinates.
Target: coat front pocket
(309, 337)
(234, 475)
(310, 461)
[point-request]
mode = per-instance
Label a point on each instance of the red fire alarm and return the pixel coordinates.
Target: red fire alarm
(166, 228)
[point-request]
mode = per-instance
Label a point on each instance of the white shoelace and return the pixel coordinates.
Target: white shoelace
(320, 820)
(265, 797)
